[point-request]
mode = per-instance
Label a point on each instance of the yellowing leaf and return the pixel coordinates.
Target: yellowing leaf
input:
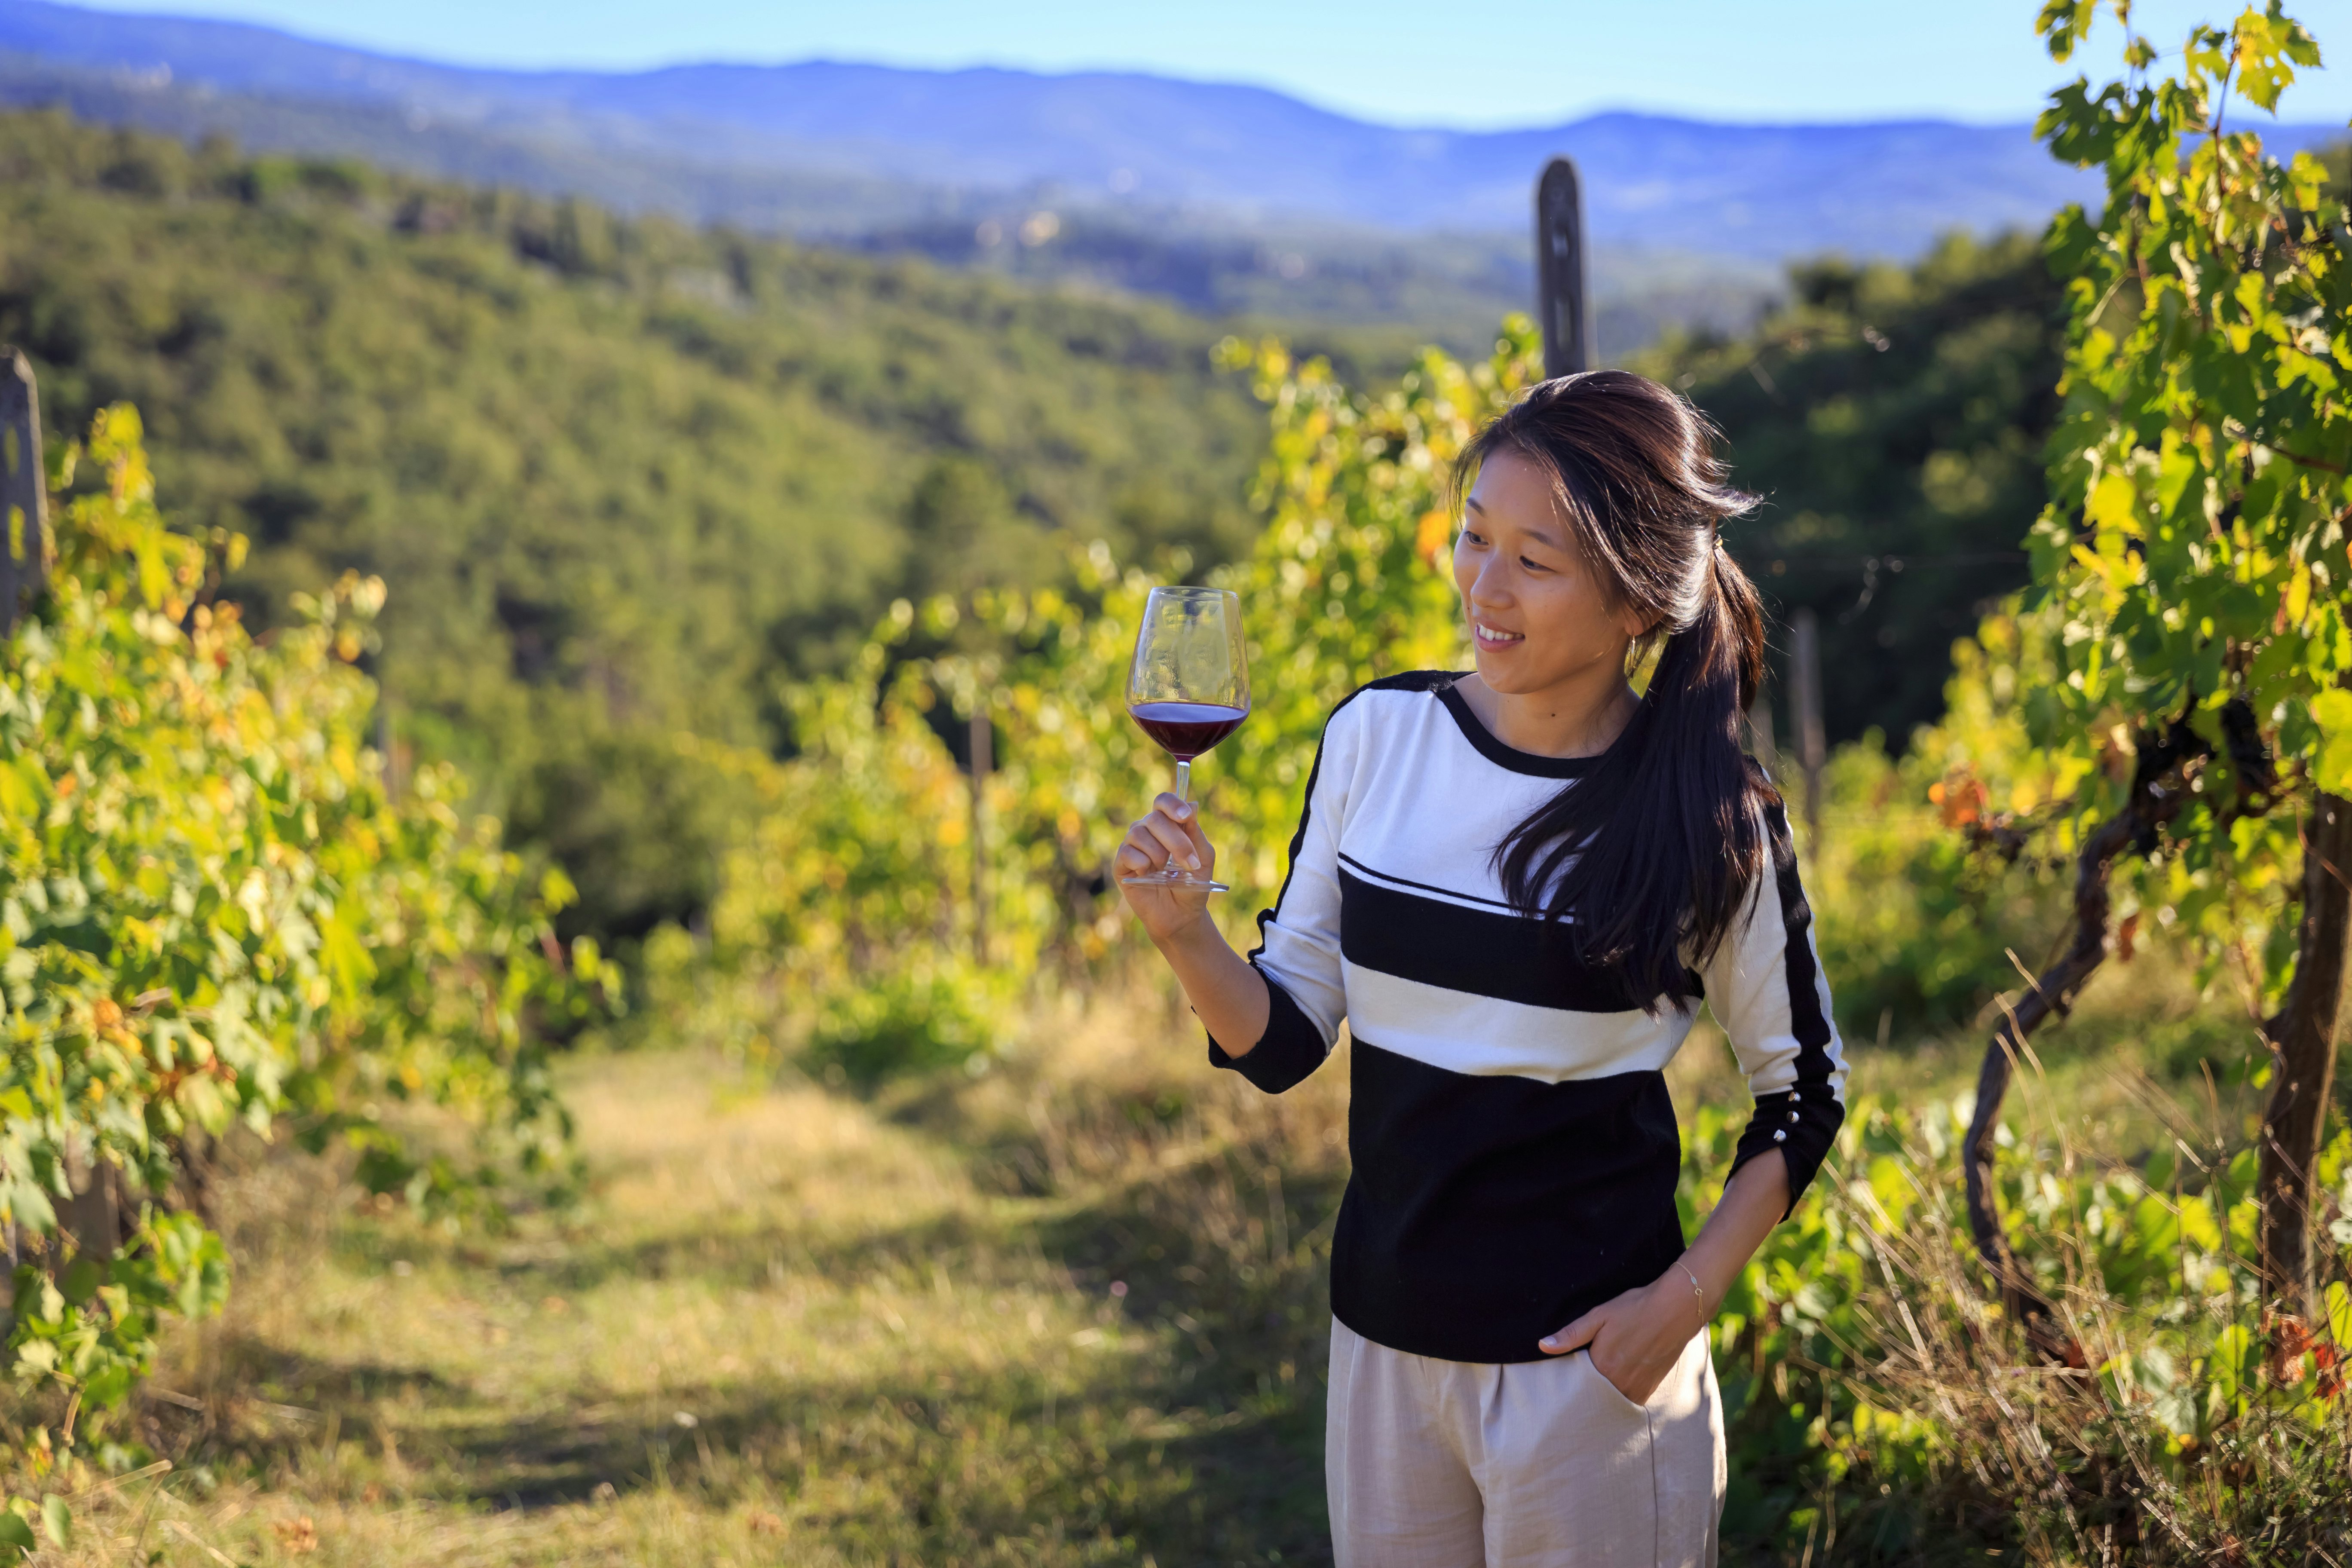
(2332, 709)
(2112, 502)
(2298, 594)
(345, 956)
(19, 801)
(556, 891)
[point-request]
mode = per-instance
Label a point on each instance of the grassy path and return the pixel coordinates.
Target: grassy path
(1072, 1312)
(786, 1327)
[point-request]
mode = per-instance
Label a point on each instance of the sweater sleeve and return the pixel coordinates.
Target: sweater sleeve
(1765, 986)
(1299, 939)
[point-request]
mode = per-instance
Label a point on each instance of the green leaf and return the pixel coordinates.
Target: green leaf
(2113, 505)
(345, 956)
(2332, 711)
(2232, 1366)
(107, 1387)
(2268, 48)
(2063, 24)
(80, 1281)
(14, 1534)
(56, 1519)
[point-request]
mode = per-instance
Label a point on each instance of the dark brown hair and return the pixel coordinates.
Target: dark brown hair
(1650, 855)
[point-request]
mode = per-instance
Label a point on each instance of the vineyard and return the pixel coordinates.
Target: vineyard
(217, 919)
(888, 1211)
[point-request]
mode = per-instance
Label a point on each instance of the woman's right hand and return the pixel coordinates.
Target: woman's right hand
(1172, 831)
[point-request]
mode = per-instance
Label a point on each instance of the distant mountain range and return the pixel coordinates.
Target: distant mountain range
(874, 155)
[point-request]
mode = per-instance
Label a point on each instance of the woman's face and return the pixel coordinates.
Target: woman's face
(1538, 617)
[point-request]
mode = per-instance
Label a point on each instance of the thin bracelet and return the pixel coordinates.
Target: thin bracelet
(1695, 1285)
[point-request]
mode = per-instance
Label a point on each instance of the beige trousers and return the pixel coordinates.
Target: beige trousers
(1445, 1464)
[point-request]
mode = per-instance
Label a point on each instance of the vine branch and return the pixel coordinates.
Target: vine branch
(2156, 796)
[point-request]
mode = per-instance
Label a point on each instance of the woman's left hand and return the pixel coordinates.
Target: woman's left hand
(1635, 1339)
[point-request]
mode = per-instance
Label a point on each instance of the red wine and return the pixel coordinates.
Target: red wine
(1186, 730)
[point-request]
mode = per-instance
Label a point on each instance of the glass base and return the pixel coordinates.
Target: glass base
(1173, 878)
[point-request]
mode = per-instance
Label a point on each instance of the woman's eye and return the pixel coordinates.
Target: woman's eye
(1533, 565)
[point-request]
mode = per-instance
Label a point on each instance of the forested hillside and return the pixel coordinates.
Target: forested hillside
(1893, 420)
(622, 476)
(627, 480)
(1451, 287)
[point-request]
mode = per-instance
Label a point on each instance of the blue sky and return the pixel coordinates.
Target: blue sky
(1503, 62)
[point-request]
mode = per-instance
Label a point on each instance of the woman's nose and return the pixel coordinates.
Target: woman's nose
(1490, 589)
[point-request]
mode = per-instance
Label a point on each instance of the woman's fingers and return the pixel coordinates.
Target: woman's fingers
(1143, 851)
(1172, 838)
(1170, 835)
(1186, 815)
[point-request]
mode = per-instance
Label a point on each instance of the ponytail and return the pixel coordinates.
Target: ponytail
(1648, 857)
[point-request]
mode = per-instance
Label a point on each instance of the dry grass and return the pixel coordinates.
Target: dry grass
(2071, 1465)
(1069, 1313)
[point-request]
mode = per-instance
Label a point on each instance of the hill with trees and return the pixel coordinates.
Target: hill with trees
(1152, 146)
(1451, 286)
(626, 480)
(623, 478)
(1892, 421)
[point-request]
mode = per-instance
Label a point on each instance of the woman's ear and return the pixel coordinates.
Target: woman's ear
(1633, 623)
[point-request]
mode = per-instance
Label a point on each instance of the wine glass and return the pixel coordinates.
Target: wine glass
(1188, 689)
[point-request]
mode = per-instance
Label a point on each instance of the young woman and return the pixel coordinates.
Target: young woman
(1516, 887)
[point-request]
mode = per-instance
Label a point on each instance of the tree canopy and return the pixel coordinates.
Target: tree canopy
(1892, 418)
(621, 477)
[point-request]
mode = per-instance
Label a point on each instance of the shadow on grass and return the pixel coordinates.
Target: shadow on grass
(1193, 1436)
(922, 1464)
(747, 1255)
(942, 1471)
(244, 1367)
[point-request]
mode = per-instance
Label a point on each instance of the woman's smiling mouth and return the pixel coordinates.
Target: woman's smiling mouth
(1488, 637)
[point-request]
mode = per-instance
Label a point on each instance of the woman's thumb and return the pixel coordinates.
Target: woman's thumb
(1576, 1336)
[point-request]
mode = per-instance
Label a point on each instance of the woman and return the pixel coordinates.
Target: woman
(1520, 1372)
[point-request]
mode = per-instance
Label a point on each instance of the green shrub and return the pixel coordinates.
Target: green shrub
(212, 915)
(910, 1021)
(2186, 1424)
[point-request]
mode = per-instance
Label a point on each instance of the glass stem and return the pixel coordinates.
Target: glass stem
(1184, 779)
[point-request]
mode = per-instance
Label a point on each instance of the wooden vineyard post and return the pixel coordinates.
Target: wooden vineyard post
(1805, 655)
(1560, 301)
(1761, 742)
(24, 487)
(391, 773)
(24, 550)
(983, 762)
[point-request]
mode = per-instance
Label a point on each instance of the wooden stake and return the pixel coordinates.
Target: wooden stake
(1561, 302)
(983, 762)
(1812, 749)
(24, 487)
(1760, 741)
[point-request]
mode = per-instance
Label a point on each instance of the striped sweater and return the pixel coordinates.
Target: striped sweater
(1515, 1149)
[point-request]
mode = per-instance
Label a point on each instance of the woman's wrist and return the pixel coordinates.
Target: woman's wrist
(1186, 940)
(1681, 1285)
(1225, 990)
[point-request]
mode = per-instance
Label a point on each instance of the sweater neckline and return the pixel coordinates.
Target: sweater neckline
(1501, 755)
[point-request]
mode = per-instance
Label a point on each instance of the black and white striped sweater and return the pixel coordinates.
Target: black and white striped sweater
(1515, 1149)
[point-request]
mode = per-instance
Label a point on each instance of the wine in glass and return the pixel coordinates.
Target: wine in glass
(1188, 688)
